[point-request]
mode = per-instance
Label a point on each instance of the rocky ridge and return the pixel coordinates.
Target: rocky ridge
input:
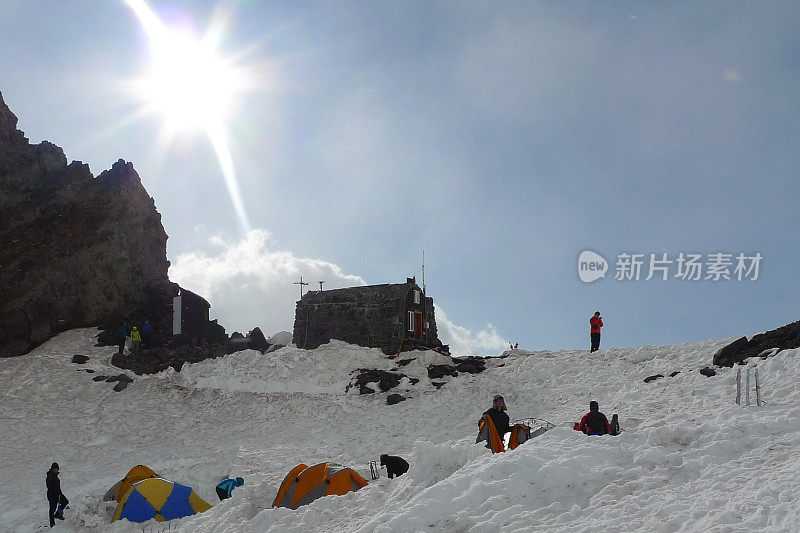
(75, 250)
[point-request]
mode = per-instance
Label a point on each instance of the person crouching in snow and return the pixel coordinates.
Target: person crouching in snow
(58, 502)
(594, 422)
(395, 466)
(226, 486)
(498, 415)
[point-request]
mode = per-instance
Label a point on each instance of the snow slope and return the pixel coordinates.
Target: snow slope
(689, 459)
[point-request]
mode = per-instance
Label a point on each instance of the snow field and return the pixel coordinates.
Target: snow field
(689, 458)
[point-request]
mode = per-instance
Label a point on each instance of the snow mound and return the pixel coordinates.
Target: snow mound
(688, 459)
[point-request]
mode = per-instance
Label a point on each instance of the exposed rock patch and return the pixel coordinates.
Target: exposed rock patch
(158, 359)
(764, 344)
(708, 372)
(385, 380)
(395, 398)
(648, 379)
(79, 359)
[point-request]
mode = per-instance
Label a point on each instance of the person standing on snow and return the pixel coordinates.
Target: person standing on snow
(594, 422)
(226, 486)
(498, 415)
(58, 502)
(147, 334)
(395, 465)
(136, 340)
(121, 336)
(596, 322)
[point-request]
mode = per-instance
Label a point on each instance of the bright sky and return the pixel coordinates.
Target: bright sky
(502, 138)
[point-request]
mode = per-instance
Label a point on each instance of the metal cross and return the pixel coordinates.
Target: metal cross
(320, 285)
(301, 283)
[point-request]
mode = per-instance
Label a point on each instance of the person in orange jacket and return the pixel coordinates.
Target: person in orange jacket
(596, 322)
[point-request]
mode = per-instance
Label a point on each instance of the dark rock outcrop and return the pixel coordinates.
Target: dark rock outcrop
(648, 379)
(395, 398)
(772, 341)
(257, 340)
(75, 250)
(385, 380)
(708, 372)
(158, 359)
(79, 359)
(470, 365)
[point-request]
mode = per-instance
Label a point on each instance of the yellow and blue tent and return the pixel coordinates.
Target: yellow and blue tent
(160, 499)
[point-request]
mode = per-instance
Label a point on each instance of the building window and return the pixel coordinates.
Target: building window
(411, 321)
(416, 297)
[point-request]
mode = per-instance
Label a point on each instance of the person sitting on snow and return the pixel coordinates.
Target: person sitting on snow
(395, 466)
(226, 486)
(594, 422)
(498, 415)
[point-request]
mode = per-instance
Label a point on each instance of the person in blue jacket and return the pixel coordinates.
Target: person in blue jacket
(226, 486)
(147, 334)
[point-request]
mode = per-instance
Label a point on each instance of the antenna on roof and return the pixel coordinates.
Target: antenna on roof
(301, 283)
(423, 271)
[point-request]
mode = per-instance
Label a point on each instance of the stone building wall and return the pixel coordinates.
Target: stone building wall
(373, 316)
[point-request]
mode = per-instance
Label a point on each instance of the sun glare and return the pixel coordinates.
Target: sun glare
(189, 83)
(192, 86)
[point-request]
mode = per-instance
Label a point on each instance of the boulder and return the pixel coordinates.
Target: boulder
(385, 380)
(79, 359)
(708, 372)
(257, 340)
(648, 379)
(728, 355)
(120, 386)
(395, 398)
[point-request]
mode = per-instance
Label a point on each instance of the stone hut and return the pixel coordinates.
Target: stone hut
(190, 320)
(393, 317)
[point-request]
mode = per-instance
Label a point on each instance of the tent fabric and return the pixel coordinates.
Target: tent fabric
(137, 473)
(520, 433)
(159, 499)
(304, 484)
(488, 433)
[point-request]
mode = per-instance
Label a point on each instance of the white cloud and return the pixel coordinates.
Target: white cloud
(463, 342)
(248, 283)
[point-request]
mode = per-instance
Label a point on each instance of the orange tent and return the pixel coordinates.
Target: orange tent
(304, 484)
(134, 475)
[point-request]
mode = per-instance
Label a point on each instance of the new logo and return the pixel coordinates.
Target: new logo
(591, 266)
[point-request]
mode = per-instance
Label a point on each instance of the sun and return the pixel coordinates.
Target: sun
(192, 87)
(188, 83)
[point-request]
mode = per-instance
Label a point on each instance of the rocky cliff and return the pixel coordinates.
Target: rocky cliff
(75, 250)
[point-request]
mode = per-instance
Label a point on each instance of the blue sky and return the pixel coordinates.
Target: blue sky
(502, 138)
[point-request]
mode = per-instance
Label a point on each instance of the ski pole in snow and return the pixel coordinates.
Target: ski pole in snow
(758, 391)
(747, 390)
(739, 387)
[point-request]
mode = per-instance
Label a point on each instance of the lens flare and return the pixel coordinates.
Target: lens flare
(192, 86)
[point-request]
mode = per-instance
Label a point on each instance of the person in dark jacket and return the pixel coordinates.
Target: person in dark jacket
(498, 415)
(147, 334)
(594, 422)
(122, 334)
(58, 502)
(226, 486)
(596, 322)
(395, 466)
